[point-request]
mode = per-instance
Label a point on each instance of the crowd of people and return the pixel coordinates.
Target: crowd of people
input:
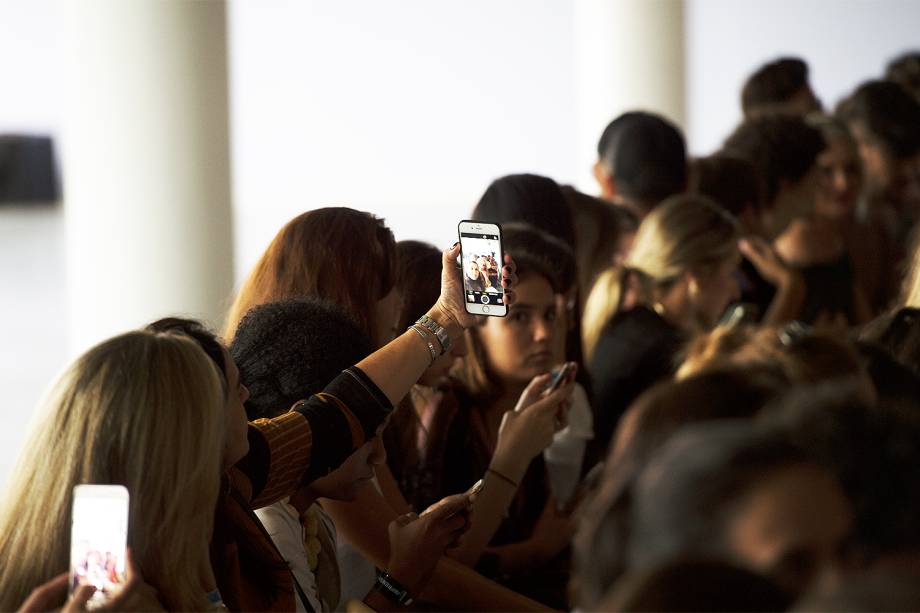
(705, 395)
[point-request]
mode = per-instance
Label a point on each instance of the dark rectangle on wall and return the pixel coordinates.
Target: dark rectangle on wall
(28, 173)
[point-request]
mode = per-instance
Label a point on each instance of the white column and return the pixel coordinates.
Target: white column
(629, 55)
(146, 168)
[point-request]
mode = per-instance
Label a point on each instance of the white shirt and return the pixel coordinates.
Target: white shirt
(282, 521)
(564, 456)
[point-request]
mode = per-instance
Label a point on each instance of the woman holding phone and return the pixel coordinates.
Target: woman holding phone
(509, 360)
(418, 431)
(171, 454)
(368, 295)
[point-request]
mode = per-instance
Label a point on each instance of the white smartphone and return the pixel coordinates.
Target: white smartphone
(99, 539)
(482, 259)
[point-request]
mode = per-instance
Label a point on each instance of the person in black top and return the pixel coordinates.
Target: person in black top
(678, 280)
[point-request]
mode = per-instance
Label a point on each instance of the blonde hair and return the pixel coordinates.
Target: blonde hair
(684, 233)
(910, 287)
(143, 410)
(794, 351)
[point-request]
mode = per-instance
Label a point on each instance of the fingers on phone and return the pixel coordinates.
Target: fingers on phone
(80, 597)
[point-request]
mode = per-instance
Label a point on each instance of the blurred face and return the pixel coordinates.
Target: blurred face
(441, 367)
(236, 445)
(840, 180)
(903, 188)
(356, 471)
(472, 270)
(716, 289)
(520, 345)
(792, 526)
(895, 180)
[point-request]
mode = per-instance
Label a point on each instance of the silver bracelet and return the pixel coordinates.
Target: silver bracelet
(431, 348)
(436, 329)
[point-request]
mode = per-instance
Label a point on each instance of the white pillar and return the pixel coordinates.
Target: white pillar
(629, 55)
(146, 167)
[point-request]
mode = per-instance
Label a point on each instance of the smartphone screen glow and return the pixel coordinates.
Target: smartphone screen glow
(98, 539)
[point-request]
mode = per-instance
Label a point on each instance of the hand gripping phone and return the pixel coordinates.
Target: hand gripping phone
(560, 377)
(482, 258)
(98, 540)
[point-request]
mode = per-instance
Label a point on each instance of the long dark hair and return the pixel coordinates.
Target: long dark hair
(531, 199)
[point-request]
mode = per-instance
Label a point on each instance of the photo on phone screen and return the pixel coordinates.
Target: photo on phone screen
(481, 260)
(98, 539)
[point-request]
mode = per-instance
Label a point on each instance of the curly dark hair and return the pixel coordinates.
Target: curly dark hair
(731, 182)
(289, 350)
(781, 147)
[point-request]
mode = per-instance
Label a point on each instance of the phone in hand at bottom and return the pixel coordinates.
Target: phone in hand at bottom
(98, 540)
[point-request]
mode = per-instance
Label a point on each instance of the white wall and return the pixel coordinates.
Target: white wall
(33, 296)
(844, 42)
(29, 66)
(406, 109)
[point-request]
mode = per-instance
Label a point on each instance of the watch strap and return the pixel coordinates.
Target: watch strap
(436, 329)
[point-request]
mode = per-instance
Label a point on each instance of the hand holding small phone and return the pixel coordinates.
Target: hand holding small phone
(562, 375)
(98, 542)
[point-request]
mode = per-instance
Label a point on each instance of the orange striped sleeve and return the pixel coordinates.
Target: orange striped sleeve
(289, 441)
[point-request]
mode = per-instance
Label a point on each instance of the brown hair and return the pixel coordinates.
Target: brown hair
(338, 254)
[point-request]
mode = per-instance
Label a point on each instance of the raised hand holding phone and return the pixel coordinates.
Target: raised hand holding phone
(482, 260)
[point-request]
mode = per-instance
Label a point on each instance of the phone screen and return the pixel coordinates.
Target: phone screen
(482, 264)
(98, 539)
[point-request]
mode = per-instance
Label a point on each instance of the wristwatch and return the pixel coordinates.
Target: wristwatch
(436, 329)
(393, 589)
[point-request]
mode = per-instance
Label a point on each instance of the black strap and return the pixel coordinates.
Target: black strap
(255, 518)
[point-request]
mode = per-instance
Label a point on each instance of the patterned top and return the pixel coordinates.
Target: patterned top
(312, 439)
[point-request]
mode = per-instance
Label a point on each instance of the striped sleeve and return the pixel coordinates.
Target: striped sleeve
(314, 438)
